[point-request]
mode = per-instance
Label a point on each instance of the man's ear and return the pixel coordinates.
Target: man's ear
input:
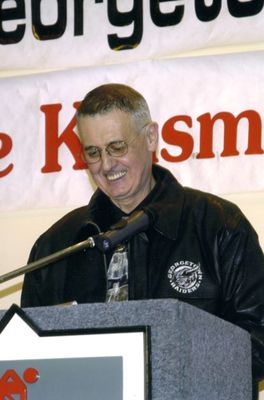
(152, 136)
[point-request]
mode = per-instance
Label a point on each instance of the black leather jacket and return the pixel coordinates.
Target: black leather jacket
(200, 249)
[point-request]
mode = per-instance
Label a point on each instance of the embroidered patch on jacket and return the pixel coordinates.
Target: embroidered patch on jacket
(185, 276)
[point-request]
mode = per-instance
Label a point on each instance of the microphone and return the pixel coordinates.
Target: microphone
(137, 222)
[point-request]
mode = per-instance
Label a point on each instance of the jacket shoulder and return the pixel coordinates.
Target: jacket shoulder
(62, 233)
(70, 222)
(212, 207)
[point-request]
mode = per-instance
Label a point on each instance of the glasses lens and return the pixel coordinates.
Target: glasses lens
(92, 154)
(117, 149)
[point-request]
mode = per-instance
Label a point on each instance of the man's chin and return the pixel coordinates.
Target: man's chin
(119, 199)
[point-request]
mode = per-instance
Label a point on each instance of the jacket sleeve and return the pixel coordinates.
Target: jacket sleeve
(70, 278)
(44, 286)
(30, 296)
(242, 262)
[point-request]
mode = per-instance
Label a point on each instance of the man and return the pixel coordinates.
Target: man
(199, 248)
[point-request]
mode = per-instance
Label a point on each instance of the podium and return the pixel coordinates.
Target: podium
(193, 354)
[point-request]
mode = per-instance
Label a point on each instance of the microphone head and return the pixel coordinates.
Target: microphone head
(137, 222)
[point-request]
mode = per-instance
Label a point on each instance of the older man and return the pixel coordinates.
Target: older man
(199, 248)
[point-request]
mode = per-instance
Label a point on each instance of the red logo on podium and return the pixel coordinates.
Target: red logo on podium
(11, 384)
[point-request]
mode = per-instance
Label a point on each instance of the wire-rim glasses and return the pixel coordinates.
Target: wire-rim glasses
(116, 148)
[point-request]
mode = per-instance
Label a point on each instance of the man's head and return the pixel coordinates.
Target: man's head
(118, 140)
(113, 96)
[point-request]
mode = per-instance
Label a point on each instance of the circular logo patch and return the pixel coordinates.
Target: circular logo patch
(185, 276)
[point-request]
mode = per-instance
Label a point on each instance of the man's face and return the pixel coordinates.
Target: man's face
(127, 179)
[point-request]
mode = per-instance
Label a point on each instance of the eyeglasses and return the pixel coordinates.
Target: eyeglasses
(117, 148)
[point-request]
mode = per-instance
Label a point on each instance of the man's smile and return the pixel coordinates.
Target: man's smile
(113, 176)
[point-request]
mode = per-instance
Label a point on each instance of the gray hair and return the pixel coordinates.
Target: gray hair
(115, 96)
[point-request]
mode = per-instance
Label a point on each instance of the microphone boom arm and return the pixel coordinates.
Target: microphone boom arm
(48, 259)
(124, 230)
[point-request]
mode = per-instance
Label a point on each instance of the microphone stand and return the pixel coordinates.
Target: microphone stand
(88, 243)
(124, 230)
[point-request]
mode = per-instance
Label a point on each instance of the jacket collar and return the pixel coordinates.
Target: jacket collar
(166, 203)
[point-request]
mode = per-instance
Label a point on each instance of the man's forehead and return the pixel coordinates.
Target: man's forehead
(107, 121)
(102, 129)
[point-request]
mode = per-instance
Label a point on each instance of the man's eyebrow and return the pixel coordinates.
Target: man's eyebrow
(116, 141)
(90, 146)
(97, 147)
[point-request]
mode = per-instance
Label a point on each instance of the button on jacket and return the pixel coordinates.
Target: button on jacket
(199, 249)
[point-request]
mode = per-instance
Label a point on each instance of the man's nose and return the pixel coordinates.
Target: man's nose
(106, 161)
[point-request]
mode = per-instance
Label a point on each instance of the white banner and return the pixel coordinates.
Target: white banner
(60, 33)
(209, 110)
